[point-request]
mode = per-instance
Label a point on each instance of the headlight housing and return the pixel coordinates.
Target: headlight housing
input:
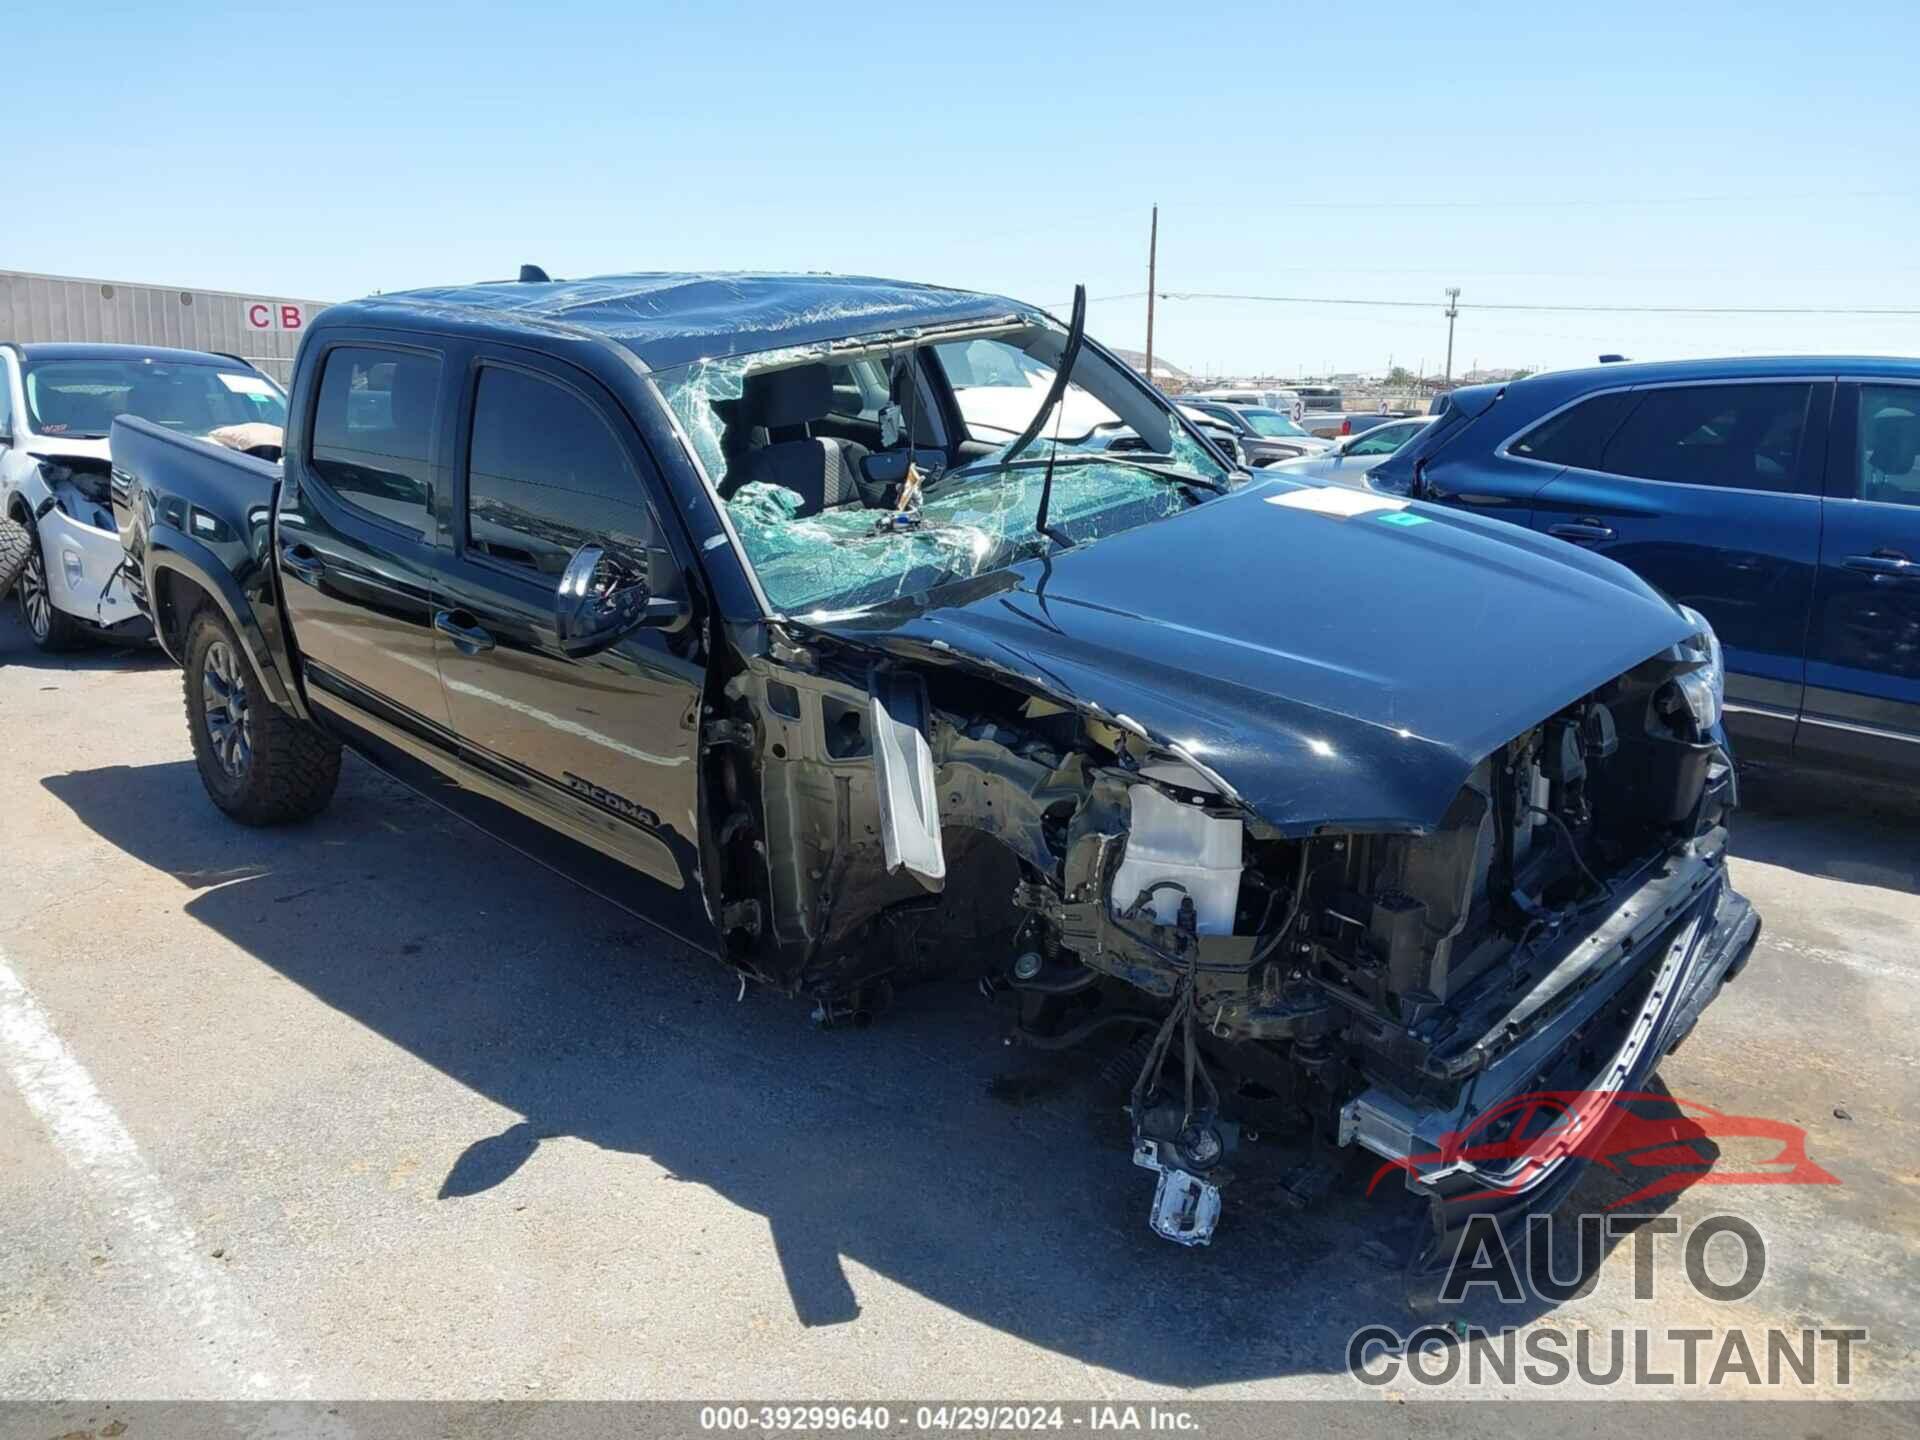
(1704, 689)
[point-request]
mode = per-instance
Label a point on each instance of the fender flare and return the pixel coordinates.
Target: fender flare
(169, 551)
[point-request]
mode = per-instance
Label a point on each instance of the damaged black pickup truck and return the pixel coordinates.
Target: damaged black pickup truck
(859, 632)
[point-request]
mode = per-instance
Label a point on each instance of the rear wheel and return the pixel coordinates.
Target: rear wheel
(15, 546)
(260, 765)
(50, 627)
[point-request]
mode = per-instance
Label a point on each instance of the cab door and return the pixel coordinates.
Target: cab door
(355, 533)
(1863, 645)
(600, 752)
(1710, 492)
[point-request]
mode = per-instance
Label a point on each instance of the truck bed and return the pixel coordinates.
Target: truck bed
(196, 523)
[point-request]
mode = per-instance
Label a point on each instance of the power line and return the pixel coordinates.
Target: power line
(1586, 202)
(1877, 310)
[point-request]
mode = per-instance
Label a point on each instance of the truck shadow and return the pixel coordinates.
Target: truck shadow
(1834, 826)
(995, 1182)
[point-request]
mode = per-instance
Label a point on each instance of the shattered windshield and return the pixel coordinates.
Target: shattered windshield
(820, 497)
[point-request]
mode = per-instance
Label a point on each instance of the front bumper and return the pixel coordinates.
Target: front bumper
(1694, 953)
(1698, 964)
(84, 578)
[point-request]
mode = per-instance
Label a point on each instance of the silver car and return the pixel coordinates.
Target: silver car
(1348, 460)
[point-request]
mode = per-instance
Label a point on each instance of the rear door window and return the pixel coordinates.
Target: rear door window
(1743, 437)
(373, 429)
(546, 475)
(1887, 448)
(1578, 435)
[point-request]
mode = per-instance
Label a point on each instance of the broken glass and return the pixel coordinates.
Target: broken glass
(850, 556)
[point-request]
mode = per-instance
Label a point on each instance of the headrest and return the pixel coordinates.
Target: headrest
(784, 398)
(1893, 442)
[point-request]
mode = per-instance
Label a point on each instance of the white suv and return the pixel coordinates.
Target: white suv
(59, 541)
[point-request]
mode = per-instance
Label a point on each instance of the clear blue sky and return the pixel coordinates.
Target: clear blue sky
(1671, 153)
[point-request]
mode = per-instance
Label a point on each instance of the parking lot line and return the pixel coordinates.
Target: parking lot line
(148, 1230)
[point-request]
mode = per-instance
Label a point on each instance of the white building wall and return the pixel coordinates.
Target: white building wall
(59, 307)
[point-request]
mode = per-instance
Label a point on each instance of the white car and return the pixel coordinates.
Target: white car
(999, 391)
(57, 405)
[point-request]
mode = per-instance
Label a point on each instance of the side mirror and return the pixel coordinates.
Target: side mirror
(605, 596)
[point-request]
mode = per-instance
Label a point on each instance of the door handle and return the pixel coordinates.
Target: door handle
(1884, 565)
(1585, 528)
(467, 639)
(302, 563)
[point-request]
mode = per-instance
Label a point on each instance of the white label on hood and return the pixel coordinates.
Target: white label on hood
(1337, 501)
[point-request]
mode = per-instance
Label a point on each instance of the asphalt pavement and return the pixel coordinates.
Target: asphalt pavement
(374, 1107)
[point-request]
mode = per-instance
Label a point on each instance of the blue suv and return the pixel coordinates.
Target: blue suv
(1778, 496)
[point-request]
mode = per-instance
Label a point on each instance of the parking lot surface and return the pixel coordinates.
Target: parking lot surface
(374, 1107)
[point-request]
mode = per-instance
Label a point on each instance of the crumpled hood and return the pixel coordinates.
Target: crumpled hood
(55, 447)
(1334, 670)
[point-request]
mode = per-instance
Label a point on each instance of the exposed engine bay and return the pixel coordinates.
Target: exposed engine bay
(80, 487)
(69, 501)
(1255, 781)
(910, 821)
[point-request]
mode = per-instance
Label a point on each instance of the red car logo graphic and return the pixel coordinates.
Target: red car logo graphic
(1668, 1140)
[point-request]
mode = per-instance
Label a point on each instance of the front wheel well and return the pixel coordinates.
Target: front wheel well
(176, 600)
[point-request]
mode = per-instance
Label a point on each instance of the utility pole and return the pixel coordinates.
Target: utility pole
(1453, 309)
(1153, 256)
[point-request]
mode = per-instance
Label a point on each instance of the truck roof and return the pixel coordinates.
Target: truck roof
(669, 318)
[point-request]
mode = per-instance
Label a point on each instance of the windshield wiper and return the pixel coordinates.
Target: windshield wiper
(1076, 334)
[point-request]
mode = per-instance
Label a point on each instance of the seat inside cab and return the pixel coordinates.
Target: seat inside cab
(770, 438)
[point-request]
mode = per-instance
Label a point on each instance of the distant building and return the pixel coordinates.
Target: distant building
(1166, 374)
(263, 330)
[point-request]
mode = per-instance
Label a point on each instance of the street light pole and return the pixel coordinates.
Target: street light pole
(1453, 309)
(1153, 255)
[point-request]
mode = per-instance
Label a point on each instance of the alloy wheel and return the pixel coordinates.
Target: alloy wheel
(224, 698)
(36, 607)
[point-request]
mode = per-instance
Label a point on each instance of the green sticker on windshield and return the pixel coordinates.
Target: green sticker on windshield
(1403, 517)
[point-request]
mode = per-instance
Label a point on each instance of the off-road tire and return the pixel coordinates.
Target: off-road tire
(15, 546)
(259, 764)
(50, 628)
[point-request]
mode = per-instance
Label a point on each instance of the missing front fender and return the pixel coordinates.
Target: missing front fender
(903, 772)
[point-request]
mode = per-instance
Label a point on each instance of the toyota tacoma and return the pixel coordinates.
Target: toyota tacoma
(1326, 814)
